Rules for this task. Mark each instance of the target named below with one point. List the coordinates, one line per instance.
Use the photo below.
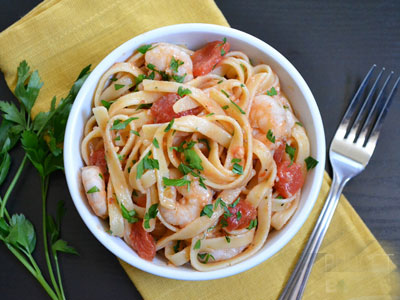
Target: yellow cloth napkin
(59, 38)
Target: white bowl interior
(194, 36)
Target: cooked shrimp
(161, 56)
(189, 206)
(268, 114)
(95, 189)
(223, 254)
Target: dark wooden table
(332, 44)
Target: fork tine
(341, 131)
(371, 142)
(368, 121)
(357, 122)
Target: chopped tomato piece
(98, 158)
(142, 242)
(162, 110)
(279, 152)
(206, 58)
(290, 178)
(241, 220)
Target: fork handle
(294, 288)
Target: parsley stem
(44, 186)
(55, 257)
(5, 211)
(12, 185)
(38, 275)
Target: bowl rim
(176, 273)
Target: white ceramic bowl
(194, 36)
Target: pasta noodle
(199, 153)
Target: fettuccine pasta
(196, 155)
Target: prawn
(171, 59)
(189, 206)
(267, 114)
(95, 189)
(224, 254)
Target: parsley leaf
(118, 86)
(176, 182)
(237, 169)
(270, 136)
(253, 224)
(205, 141)
(143, 49)
(144, 106)
(207, 211)
(290, 151)
(146, 164)
(238, 107)
(197, 245)
(182, 91)
(130, 216)
(177, 246)
(193, 159)
(235, 203)
(169, 126)
(311, 163)
(228, 239)
(238, 215)
(175, 64)
(12, 114)
(93, 189)
(107, 104)
(225, 93)
(272, 92)
(119, 125)
(298, 123)
(150, 214)
(178, 78)
(225, 107)
(155, 143)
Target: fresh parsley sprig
(42, 141)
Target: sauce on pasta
(196, 155)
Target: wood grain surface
(332, 44)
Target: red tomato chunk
(206, 58)
(248, 213)
(142, 242)
(290, 179)
(163, 112)
(98, 158)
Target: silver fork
(350, 152)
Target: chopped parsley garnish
(143, 49)
(130, 216)
(144, 106)
(211, 228)
(101, 176)
(185, 169)
(176, 182)
(235, 203)
(175, 64)
(193, 159)
(225, 107)
(223, 41)
(146, 164)
(311, 163)
(119, 125)
(290, 151)
(272, 92)
(164, 75)
(135, 132)
(205, 257)
(298, 123)
(223, 52)
(237, 169)
(140, 78)
(207, 211)
(155, 143)
(242, 85)
(121, 157)
(286, 107)
(94, 189)
(224, 223)
(221, 203)
(270, 136)
(225, 93)
(238, 215)
(228, 239)
(117, 138)
(253, 224)
(210, 114)
(279, 197)
(243, 68)
(197, 245)
(178, 78)
(238, 107)
(201, 182)
(177, 246)
(113, 79)
(169, 126)
(182, 91)
(236, 160)
(150, 214)
(107, 104)
(118, 86)
(221, 81)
